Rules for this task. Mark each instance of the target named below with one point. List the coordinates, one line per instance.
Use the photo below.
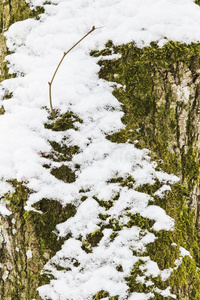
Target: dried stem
(65, 53)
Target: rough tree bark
(18, 272)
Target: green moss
(84, 190)
(35, 231)
(64, 122)
(106, 204)
(91, 240)
(62, 152)
(23, 278)
(197, 2)
(83, 198)
(162, 251)
(103, 216)
(149, 189)
(151, 116)
(100, 295)
(113, 236)
(10, 12)
(7, 96)
(86, 246)
(138, 220)
(132, 283)
(190, 167)
(63, 173)
(95, 237)
(119, 268)
(186, 280)
(143, 75)
(18, 11)
(45, 279)
(52, 214)
(103, 294)
(17, 200)
(129, 181)
(114, 224)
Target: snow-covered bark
(83, 200)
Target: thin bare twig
(64, 54)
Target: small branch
(64, 54)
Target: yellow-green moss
(64, 122)
(143, 76)
(138, 220)
(91, 240)
(104, 294)
(52, 214)
(100, 295)
(132, 283)
(12, 11)
(63, 173)
(2, 110)
(17, 200)
(35, 231)
(186, 280)
(129, 181)
(107, 204)
(62, 152)
(95, 237)
(151, 116)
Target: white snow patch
(29, 254)
(184, 252)
(14, 231)
(163, 221)
(161, 192)
(4, 211)
(141, 296)
(165, 293)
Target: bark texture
(19, 273)
(12, 11)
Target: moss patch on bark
(12, 11)
(159, 91)
(29, 231)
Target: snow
(163, 221)
(29, 254)
(165, 293)
(4, 211)
(184, 252)
(79, 225)
(162, 191)
(37, 46)
(141, 296)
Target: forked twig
(65, 53)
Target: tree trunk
(160, 94)
(18, 240)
